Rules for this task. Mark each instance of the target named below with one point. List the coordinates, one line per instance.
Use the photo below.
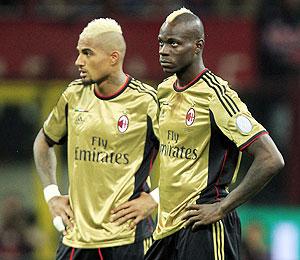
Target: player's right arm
(45, 161)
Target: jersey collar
(180, 89)
(117, 93)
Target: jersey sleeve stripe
(219, 96)
(223, 93)
(234, 104)
(143, 86)
(143, 90)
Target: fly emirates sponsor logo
(98, 153)
(171, 149)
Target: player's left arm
(266, 164)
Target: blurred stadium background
(255, 44)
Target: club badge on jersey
(123, 123)
(190, 117)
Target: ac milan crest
(190, 117)
(123, 123)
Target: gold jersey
(110, 141)
(203, 127)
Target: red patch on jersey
(190, 117)
(123, 123)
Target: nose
(163, 50)
(79, 61)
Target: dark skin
(267, 161)
(181, 53)
(181, 44)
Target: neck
(186, 76)
(111, 84)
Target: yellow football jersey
(111, 141)
(203, 127)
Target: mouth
(165, 63)
(82, 73)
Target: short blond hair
(176, 13)
(99, 26)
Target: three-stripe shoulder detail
(220, 90)
(142, 88)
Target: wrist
(155, 195)
(51, 191)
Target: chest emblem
(123, 123)
(190, 117)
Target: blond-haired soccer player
(109, 120)
(203, 128)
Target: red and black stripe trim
(252, 139)
(178, 88)
(117, 93)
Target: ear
(199, 45)
(115, 57)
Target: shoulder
(166, 86)
(167, 82)
(217, 85)
(76, 87)
(143, 89)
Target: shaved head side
(112, 41)
(190, 21)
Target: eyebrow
(84, 49)
(169, 39)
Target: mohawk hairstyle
(176, 13)
(99, 26)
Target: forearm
(45, 160)
(256, 178)
(267, 163)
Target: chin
(87, 81)
(169, 70)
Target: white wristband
(155, 195)
(51, 191)
(58, 223)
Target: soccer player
(203, 128)
(109, 120)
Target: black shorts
(218, 241)
(125, 252)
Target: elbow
(40, 142)
(37, 141)
(281, 163)
(276, 163)
(35, 144)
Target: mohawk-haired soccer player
(109, 120)
(203, 128)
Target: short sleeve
(234, 119)
(55, 127)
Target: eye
(160, 42)
(174, 44)
(87, 53)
